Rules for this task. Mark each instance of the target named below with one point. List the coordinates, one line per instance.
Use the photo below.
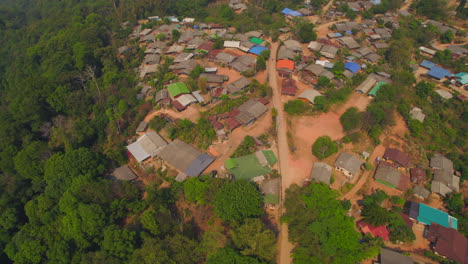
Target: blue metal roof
(257, 49)
(427, 64)
(352, 67)
(290, 12)
(438, 72)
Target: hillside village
(240, 83)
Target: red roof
(288, 87)
(284, 73)
(223, 115)
(206, 46)
(448, 242)
(178, 106)
(380, 231)
(234, 113)
(403, 183)
(418, 175)
(232, 123)
(217, 125)
(262, 100)
(397, 156)
(213, 53)
(407, 220)
(218, 92)
(285, 64)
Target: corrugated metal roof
(428, 215)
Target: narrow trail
(284, 246)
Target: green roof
(463, 77)
(177, 88)
(214, 36)
(247, 167)
(230, 163)
(376, 88)
(270, 157)
(428, 215)
(256, 40)
(271, 198)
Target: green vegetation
(238, 200)
(306, 32)
(351, 119)
(157, 123)
(252, 238)
(374, 214)
(455, 203)
(296, 107)
(434, 9)
(201, 133)
(319, 225)
(227, 105)
(324, 147)
(247, 146)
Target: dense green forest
(67, 106)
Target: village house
(444, 182)
(348, 164)
(380, 231)
(189, 161)
(250, 111)
(421, 192)
(238, 85)
(388, 175)
(417, 114)
(147, 146)
(388, 256)
(418, 175)
(397, 156)
(309, 95)
(321, 172)
(427, 215)
(448, 242)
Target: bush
(295, 107)
(246, 147)
(324, 147)
(351, 119)
(157, 123)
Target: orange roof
(286, 64)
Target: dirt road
(285, 247)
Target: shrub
(324, 147)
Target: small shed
(124, 173)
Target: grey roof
(321, 172)
(284, 53)
(309, 94)
(238, 85)
(421, 192)
(391, 257)
(388, 174)
(214, 78)
(148, 145)
(175, 49)
(447, 178)
(444, 94)
(347, 26)
(293, 45)
(440, 188)
(186, 158)
(152, 59)
(366, 85)
(255, 34)
(364, 51)
(416, 113)
(348, 162)
(441, 162)
(250, 111)
(160, 95)
(186, 36)
(457, 49)
(271, 186)
(194, 43)
(349, 42)
(183, 57)
(142, 126)
(316, 69)
(187, 65)
(225, 57)
(329, 51)
(124, 173)
(315, 46)
(373, 57)
(243, 63)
